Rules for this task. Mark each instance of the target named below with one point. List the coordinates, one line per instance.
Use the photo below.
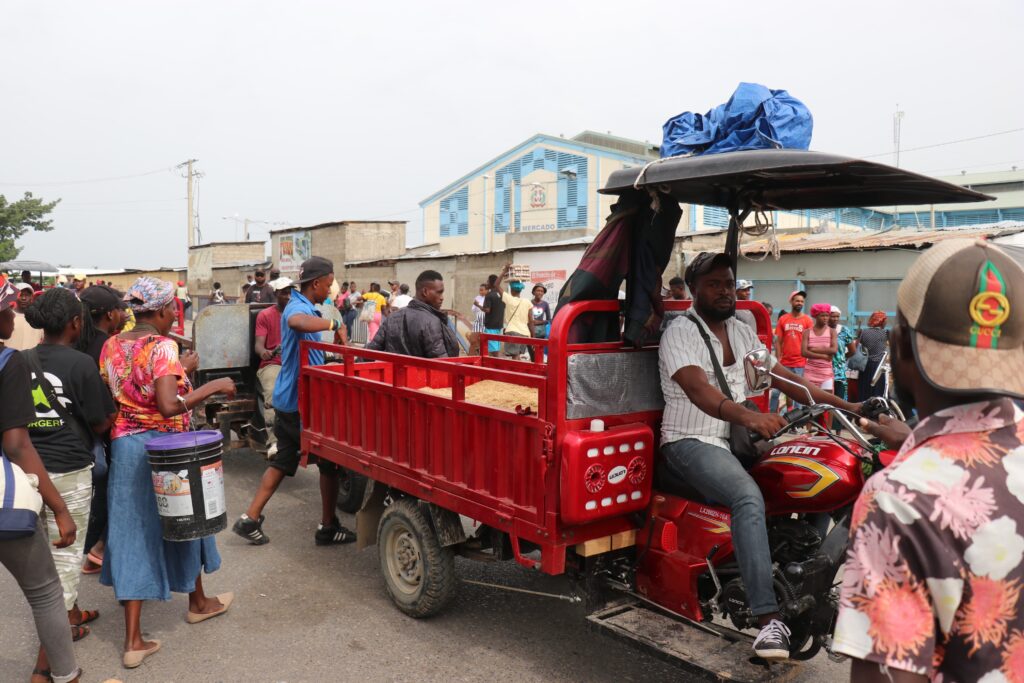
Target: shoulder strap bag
(741, 442)
(20, 501)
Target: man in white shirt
(402, 299)
(697, 421)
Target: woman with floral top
(150, 385)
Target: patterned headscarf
(8, 294)
(877, 319)
(149, 294)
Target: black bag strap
(32, 357)
(722, 383)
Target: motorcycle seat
(665, 480)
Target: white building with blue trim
(546, 184)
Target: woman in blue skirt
(149, 382)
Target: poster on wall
(294, 248)
(553, 281)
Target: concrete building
(224, 262)
(542, 190)
(341, 241)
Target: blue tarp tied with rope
(753, 118)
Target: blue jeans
(773, 402)
(718, 475)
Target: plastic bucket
(188, 480)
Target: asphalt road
(307, 613)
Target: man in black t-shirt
(494, 314)
(261, 292)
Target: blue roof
(566, 143)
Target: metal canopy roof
(788, 179)
(34, 266)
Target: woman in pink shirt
(819, 347)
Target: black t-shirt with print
(495, 320)
(16, 391)
(76, 381)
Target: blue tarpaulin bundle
(753, 118)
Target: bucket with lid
(188, 480)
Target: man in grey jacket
(421, 328)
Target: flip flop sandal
(95, 559)
(91, 568)
(78, 632)
(89, 615)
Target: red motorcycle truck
(569, 486)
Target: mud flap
(713, 652)
(369, 514)
(447, 526)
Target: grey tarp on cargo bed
(613, 384)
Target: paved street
(305, 613)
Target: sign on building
(294, 247)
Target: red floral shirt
(933, 578)
(131, 368)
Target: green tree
(17, 218)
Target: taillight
(665, 536)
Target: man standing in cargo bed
(421, 328)
(300, 320)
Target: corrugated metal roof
(874, 240)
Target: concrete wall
(344, 242)
(204, 259)
(123, 281)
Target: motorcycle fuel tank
(809, 474)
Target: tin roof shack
(123, 279)
(223, 262)
(341, 241)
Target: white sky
(305, 112)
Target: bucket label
(173, 493)
(213, 490)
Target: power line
(43, 183)
(945, 144)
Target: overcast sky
(306, 112)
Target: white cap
(744, 284)
(281, 283)
(24, 286)
(835, 309)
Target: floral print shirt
(131, 367)
(844, 338)
(933, 577)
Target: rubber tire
(351, 488)
(437, 582)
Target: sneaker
(335, 534)
(251, 531)
(272, 451)
(773, 641)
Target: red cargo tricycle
(571, 486)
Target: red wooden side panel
(484, 462)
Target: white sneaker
(773, 641)
(272, 451)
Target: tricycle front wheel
(419, 574)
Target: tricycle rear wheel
(351, 487)
(419, 574)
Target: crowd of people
(87, 393)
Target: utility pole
(190, 173)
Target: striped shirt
(682, 346)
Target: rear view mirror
(757, 368)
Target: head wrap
(818, 309)
(877, 319)
(149, 294)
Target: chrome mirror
(757, 368)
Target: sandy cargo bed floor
(494, 394)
